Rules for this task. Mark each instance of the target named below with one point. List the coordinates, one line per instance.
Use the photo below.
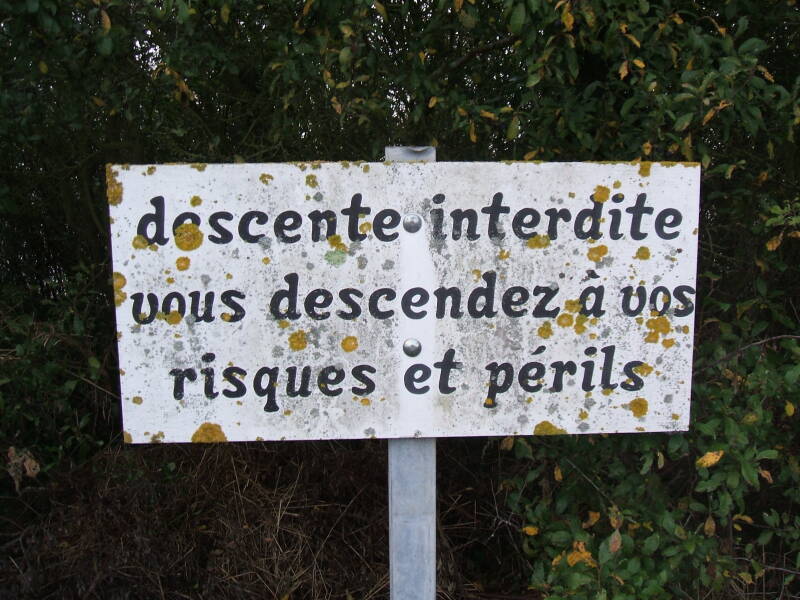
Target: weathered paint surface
(655, 345)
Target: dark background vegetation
(89, 82)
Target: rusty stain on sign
(470, 298)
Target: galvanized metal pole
(412, 486)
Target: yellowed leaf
(623, 69)
(615, 542)
(530, 530)
(461, 111)
(638, 63)
(647, 148)
(775, 242)
(507, 443)
(580, 554)
(307, 7)
(709, 115)
(43, 68)
(532, 154)
(767, 75)
(745, 518)
(746, 577)
(793, 234)
(567, 18)
(767, 476)
(593, 518)
(789, 408)
(676, 18)
(709, 459)
(381, 9)
(225, 13)
(488, 115)
(457, 4)
(709, 527)
(473, 137)
(557, 475)
(432, 102)
(105, 20)
(337, 106)
(633, 40)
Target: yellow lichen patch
(283, 323)
(656, 325)
(266, 260)
(572, 306)
(350, 343)
(580, 324)
(504, 254)
(546, 330)
(539, 241)
(173, 318)
(287, 412)
(226, 317)
(607, 391)
(297, 340)
(150, 170)
(365, 402)
(182, 263)
(638, 406)
(113, 187)
(644, 168)
(617, 184)
(668, 342)
(126, 437)
(675, 416)
(643, 253)
(335, 242)
(583, 415)
(228, 276)
(365, 228)
(547, 428)
(311, 181)
(208, 433)
(137, 400)
(564, 320)
(198, 166)
(489, 403)
(139, 242)
(643, 369)
(530, 530)
(601, 193)
(157, 438)
(365, 168)
(196, 201)
(265, 178)
(476, 273)
(170, 280)
(119, 282)
(596, 253)
(188, 237)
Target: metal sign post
(412, 483)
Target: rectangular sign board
(352, 300)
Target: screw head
(412, 223)
(412, 347)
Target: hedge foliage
(88, 82)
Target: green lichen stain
(335, 257)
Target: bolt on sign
(351, 300)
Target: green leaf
(517, 19)
(683, 121)
(513, 129)
(105, 45)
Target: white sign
(289, 301)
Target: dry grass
(290, 520)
